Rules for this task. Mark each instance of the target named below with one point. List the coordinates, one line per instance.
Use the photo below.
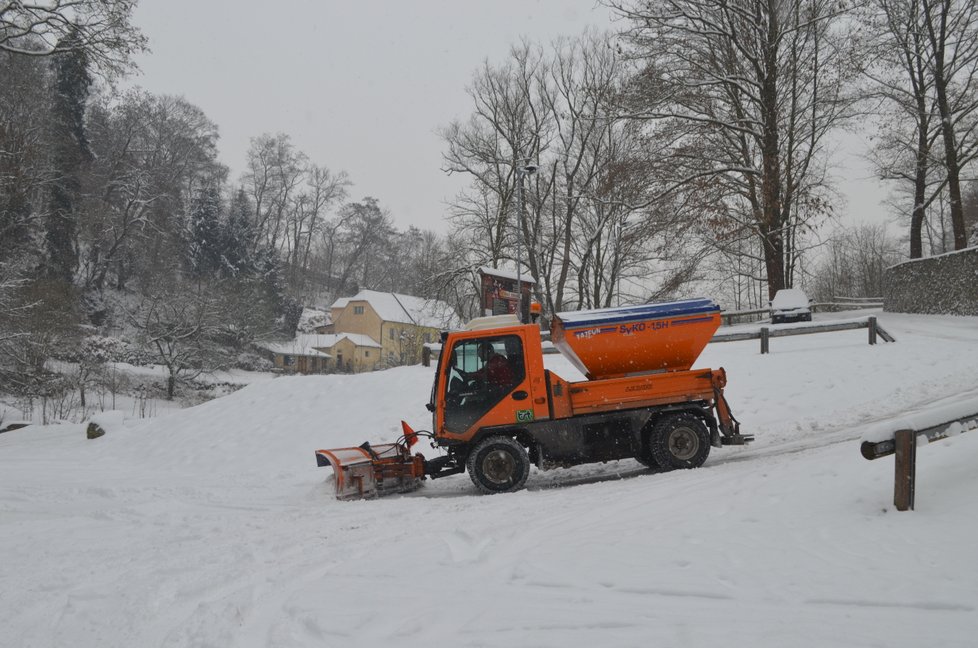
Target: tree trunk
(938, 41)
(919, 196)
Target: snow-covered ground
(212, 526)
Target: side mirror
(430, 407)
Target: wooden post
(765, 346)
(872, 330)
(426, 356)
(906, 468)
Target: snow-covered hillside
(212, 526)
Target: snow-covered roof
(312, 318)
(491, 321)
(357, 338)
(310, 344)
(405, 309)
(508, 274)
(301, 346)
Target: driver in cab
(495, 372)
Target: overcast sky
(363, 86)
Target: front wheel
(679, 441)
(498, 464)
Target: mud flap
(372, 471)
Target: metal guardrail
(903, 444)
(765, 334)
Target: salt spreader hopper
(496, 409)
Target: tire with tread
(679, 441)
(646, 459)
(498, 464)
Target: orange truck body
(637, 361)
(550, 397)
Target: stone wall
(945, 284)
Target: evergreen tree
(236, 235)
(205, 233)
(70, 151)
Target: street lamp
(527, 169)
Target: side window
(480, 374)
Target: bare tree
(898, 64)
(853, 263)
(922, 59)
(509, 126)
(581, 234)
(274, 176)
(152, 154)
(307, 217)
(182, 324)
(952, 34)
(25, 167)
(746, 92)
(100, 29)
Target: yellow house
(402, 324)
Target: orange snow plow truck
(496, 409)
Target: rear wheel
(498, 464)
(679, 441)
(646, 459)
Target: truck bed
(610, 394)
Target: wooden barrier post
(906, 468)
(764, 340)
(425, 356)
(872, 330)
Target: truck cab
(488, 379)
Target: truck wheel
(679, 441)
(646, 459)
(498, 464)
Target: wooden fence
(765, 334)
(841, 304)
(903, 444)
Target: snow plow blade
(368, 471)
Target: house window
(390, 331)
(358, 310)
(366, 354)
(288, 361)
(427, 338)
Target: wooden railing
(765, 334)
(841, 304)
(903, 444)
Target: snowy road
(213, 527)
